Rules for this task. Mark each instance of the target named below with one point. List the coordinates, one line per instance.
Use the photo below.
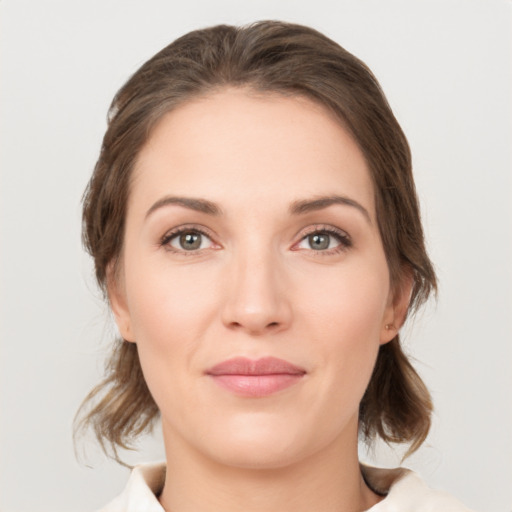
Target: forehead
(237, 143)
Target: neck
(329, 480)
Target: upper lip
(263, 366)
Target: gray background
(446, 68)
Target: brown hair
(276, 57)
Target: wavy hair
(274, 57)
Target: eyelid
(341, 235)
(184, 228)
(345, 241)
(328, 228)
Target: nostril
(254, 328)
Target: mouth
(255, 378)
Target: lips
(255, 378)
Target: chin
(257, 442)
(257, 454)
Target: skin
(257, 286)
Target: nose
(257, 301)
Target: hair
(267, 57)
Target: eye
(319, 241)
(325, 240)
(189, 240)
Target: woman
(254, 225)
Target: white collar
(404, 490)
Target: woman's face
(253, 278)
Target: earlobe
(117, 299)
(396, 311)
(388, 332)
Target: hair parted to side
(274, 57)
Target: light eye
(324, 240)
(319, 241)
(190, 240)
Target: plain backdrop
(446, 69)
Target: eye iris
(319, 241)
(190, 241)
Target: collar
(403, 489)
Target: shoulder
(404, 491)
(140, 494)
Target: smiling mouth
(255, 378)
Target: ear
(117, 298)
(396, 309)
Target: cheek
(345, 315)
(166, 303)
(165, 323)
(349, 303)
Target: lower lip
(257, 385)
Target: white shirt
(404, 490)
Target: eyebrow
(301, 207)
(199, 205)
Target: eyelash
(345, 242)
(342, 237)
(176, 232)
